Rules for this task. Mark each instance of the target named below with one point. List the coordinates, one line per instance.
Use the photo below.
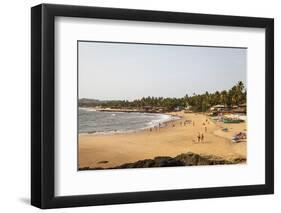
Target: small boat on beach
(239, 137)
(234, 118)
(233, 121)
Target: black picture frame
(43, 110)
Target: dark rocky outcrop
(156, 162)
(185, 159)
(192, 159)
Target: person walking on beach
(159, 126)
(198, 137)
(202, 137)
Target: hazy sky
(115, 71)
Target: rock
(185, 159)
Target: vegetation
(198, 103)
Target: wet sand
(116, 149)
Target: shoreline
(111, 150)
(163, 123)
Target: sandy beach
(115, 149)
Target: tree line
(197, 102)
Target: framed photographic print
(139, 106)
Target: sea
(97, 122)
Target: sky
(128, 71)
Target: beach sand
(116, 149)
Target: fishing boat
(228, 120)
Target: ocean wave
(88, 109)
(163, 119)
(95, 122)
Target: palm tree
(223, 97)
(239, 92)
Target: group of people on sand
(156, 128)
(186, 122)
(200, 136)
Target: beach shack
(147, 108)
(217, 108)
(241, 108)
(160, 109)
(187, 109)
(178, 108)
